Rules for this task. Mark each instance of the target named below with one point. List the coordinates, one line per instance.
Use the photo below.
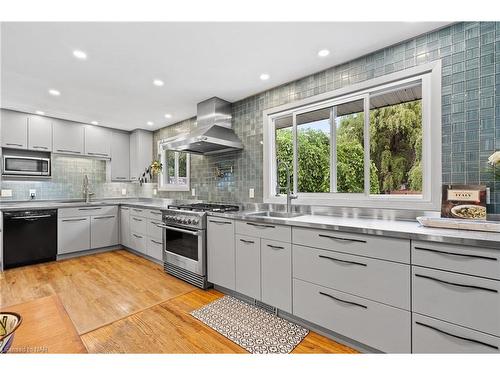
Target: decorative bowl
(469, 211)
(9, 322)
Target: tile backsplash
(470, 55)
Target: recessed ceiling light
(80, 54)
(265, 76)
(94, 123)
(54, 92)
(323, 53)
(150, 123)
(168, 115)
(158, 82)
(41, 113)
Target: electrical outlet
(251, 193)
(6, 193)
(155, 191)
(193, 192)
(32, 193)
(124, 191)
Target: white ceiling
(195, 60)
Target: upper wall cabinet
(14, 129)
(68, 137)
(97, 141)
(39, 133)
(120, 156)
(141, 153)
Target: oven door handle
(175, 229)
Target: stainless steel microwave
(16, 165)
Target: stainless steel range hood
(213, 134)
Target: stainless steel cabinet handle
(136, 235)
(104, 217)
(456, 254)
(97, 153)
(119, 178)
(155, 213)
(220, 222)
(456, 284)
(246, 241)
(157, 242)
(275, 247)
(89, 209)
(342, 261)
(343, 301)
(42, 147)
(82, 219)
(14, 144)
(341, 238)
(70, 151)
(456, 336)
(136, 219)
(261, 225)
(137, 210)
(125, 208)
(30, 217)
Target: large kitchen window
(373, 146)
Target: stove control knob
(195, 222)
(189, 221)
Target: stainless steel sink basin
(276, 214)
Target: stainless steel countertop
(406, 229)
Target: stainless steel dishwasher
(29, 237)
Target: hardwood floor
(122, 303)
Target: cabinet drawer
(139, 224)
(397, 250)
(248, 266)
(435, 336)
(154, 231)
(464, 259)
(276, 274)
(87, 211)
(469, 301)
(269, 231)
(375, 279)
(153, 214)
(379, 326)
(155, 249)
(138, 242)
(138, 211)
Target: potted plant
(494, 160)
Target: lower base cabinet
(374, 324)
(435, 336)
(73, 234)
(276, 274)
(155, 249)
(138, 243)
(103, 231)
(248, 266)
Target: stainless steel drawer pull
(343, 261)
(456, 254)
(155, 213)
(97, 153)
(89, 209)
(42, 147)
(459, 285)
(456, 336)
(137, 210)
(157, 242)
(70, 151)
(343, 301)
(104, 217)
(341, 238)
(276, 247)
(136, 219)
(14, 144)
(261, 225)
(82, 219)
(136, 236)
(246, 241)
(29, 217)
(220, 222)
(125, 208)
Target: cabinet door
(248, 266)
(103, 231)
(73, 234)
(138, 243)
(97, 141)
(276, 274)
(220, 252)
(120, 156)
(14, 129)
(40, 133)
(141, 153)
(155, 249)
(68, 137)
(125, 226)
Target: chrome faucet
(86, 189)
(289, 195)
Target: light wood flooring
(122, 303)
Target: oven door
(185, 248)
(26, 166)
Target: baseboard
(88, 252)
(130, 250)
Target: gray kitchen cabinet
(155, 249)
(97, 141)
(141, 152)
(103, 231)
(120, 156)
(14, 129)
(73, 234)
(40, 133)
(68, 137)
(221, 252)
(247, 269)
(276, 274)
(125, 226)
(139, 243)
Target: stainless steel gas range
(185, 240)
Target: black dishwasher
(29, 237)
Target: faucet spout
(86, 189)
(289, 195)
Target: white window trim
(431, 143)
(173, 187)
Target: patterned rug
(251, 327)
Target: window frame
(430, 199)
(162, 186)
